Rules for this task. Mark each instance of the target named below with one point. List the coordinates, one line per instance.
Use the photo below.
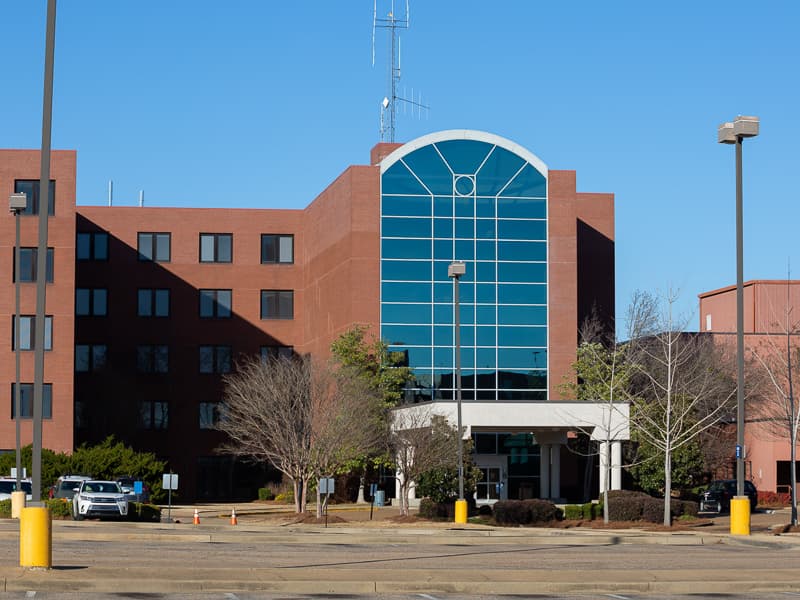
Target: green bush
(625, 505)
(573, 512)
(141, 512)
(59, 508)
(444, 511)
(589, 511)
(286, 497)
(266, 494)
(525, 512)
(5, 509)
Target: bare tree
(420, 441)
(682, 387)
(775, 411)
(298, 415)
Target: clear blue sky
(262, 104)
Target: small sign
(138, 488)
(326, 485)
(738, 451)
(170, 481)
(373, 487)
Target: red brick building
(152, 305)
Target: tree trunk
(607, 480)
(319, 504)
(667, 486)
(793, 472)
(296, 488)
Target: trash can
(380, 498)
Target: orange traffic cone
(196, 519)
(234, 520)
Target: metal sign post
(169, 482)
(325, 486)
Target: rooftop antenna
(141, 197)
(110, 192)
(389, 103)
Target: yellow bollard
(461, 511)
(17, 503)
(740, 515)
(35, 538)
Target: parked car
(65, 486)
(99, 499)
(717, 498)
(128, 485)
(9, 484)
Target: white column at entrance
(555, 471)
(616, 465)
(544, 471)
(602, 449)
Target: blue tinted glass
(522, 315)
(522, 294)
(465, 206)
(485, 336)
(398, 180)
(443, 228)
(467, 337)
(485, 314)
(443, 250)
(467, 364)
(443, 336)
(497, 171)
(465, 250)
(406, 206)
(465, 228)
(404, 270)
(467, 314)
(485, 358)
(443, 314)
(417, 357)
(400, 227)
(443, 292)
(405, 313)
(524, 380)
(443, 206)
(521, 230)
(464, 156)
(485, 250)
(444, 377)
(406, 292)
(522, 251)
(406, 249)
(517, 208)
(407, 335)
(540, 359)
(428, 166)
(423, 376)
(443, 357)
(484, 228)
(533, 272)
(484, 207)
(485, 271)
(486, 379)
(528, 183)
(519, 358)
(486, 293)
(522, 336)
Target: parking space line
(618, 597)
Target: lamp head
(18, 202)
(745, 126)
(456, 269)
(725, 134)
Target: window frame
(277, 294)
(153, 296)
(276, 248)
(154, 237)
(34, 196)
(92, 310)
(152, 357)
(47, 401)
(213, 296)
(151, 423)
(34, 262)
(48, 333)
(92, 364)
(216, 363)
(204, 422)
(276, 353)
(215, 237)
(93, 237)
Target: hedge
(444, 511)
(525, 512)
(625, 505)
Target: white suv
(99, 499)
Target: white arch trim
(463, 134)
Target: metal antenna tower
(389, 103)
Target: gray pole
(17, 391)
(458, 393)
(41, 258)
(739, 325)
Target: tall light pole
(17, 204)
(734, 133)
(454, 271)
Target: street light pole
(17, 204)
(455, 270)
(734, 133)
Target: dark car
(128, 485)
(717, 498)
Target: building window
(215, 303)
(30, 187)
(153, 414)
(277, 304)
(26, 400)
(276, 248)
(154, 246)
(216, 247)
(90, 357)
(209, 415)
(276, 352)
(28, 265)
(153, 303)
(215, 359)
(152, 359)
(92, 246)
(27, 332)
(91, 302)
